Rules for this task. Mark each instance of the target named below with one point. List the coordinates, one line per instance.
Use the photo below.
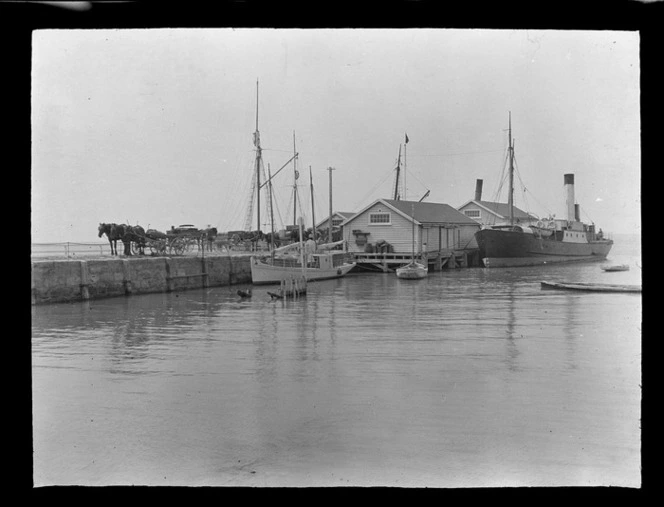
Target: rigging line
(501, 182)
(457, 154)
(415, 176)
(525, 190)
(364, 198)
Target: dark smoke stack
(478, 190)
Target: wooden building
(438, 227)
(488, 213)
(338, 218)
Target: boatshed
(388, 224)
(492, 213)
(337, 219)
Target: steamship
(532, 242)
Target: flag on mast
(406, 138)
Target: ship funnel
(569, 193)
(577, 212)
(478, 190)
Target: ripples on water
(469, 378)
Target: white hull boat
(412, 271)
(324, 266)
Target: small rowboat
(591, 287)
(412, 271)
(616, 267)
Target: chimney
(569, 200)
(577, 212)
(478, 190)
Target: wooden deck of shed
(437, 261)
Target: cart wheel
(179, 247)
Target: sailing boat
(536, 242)
(413, 270)
(300, 260)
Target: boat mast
(295, 176)
(412, 213)
(511, 158)
(405, 167)
(269, 179)
(396, 181)
(313, 214)
(329, 236)
(257, 143)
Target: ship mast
(296, 175)
(269, 179)
(511, 159)
(313, 214)
(257, 143)
(396, 180)
(329, 238)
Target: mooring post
(85, 293)
(126, 279)
(204, 270)
(169, 279)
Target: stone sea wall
(57, 281)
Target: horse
(208, 236)
(134, 233)
(111, 234)
(119, 231)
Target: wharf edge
(59, 281)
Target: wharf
(437, 261)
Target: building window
(379, 219)
(337, 221)
(472, 213)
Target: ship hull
(505, 248)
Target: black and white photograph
(336, 257)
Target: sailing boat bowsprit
(534, 242)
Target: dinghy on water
(617, 267)
(591, 287)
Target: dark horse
(112, 235)
(207, 238)
(134, 234)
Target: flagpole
(405, 169)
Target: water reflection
(512, 349)
(445, 380)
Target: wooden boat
(616, 267)
(313, 262)
(413, 270)
(591, 287)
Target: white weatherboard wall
(398, 232)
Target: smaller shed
(437, 227)
(492, 213)
(338, 218)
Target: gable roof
(343, 214)
(500, 209)
(422, 212)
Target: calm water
(469, 378)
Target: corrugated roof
(431, 212)
(503, 209)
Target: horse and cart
(176, 241)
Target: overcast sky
(154, 127)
